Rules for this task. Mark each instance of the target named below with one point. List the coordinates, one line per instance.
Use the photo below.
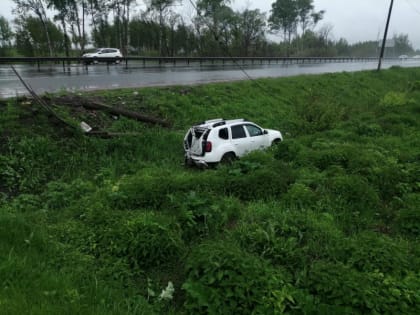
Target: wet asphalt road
(53, 78)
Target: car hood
(274, 134)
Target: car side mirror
(265, 132)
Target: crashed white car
(220, 140)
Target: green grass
(325, 223)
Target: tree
(284, 18)
(6, 36)
(307, 15)
(252, 27)
(32, 41)
(215, 23)
(402, 45)
(63, 7)
(161, 7)
(99, 12)
(37, 7)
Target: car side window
(254, 131)
(223, 134)
(238, 132)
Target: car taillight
(208, 146)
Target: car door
(107, 53)
(257, 139)
(240, 140)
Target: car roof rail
(220, 123)
(214, 120)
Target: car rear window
(223, 134)
(238, 132)
(198, 132)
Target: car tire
(228, 158)
(275, 142)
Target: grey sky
(355, 20)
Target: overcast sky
(354, 20)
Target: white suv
(104, 53)
(220, 140)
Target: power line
(413, 7)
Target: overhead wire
(40, 101)
(413, 7)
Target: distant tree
(215, 22)
(252, 27)
(364, 49)
(343, 48)
(284, 18)
(63, 9)
(308, 17)
(161, 7)
(6, 36)
(102, 34)
(32, 41)
(402, 45)
(36, 7)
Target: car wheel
(275, 142)
(228, 158)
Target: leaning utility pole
(385, 35)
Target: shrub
(339, 289)
(288, 238)
(262, 182)
(395, 99)
(222, 279)
(319, 116)
(408, 218)
(287, 150)
(59, 195)
(300, 196)
(146, 240)
(202, 214)
(354, 192)
(370, 252)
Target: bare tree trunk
(42, 16)
(127, 25)
(47, 34)
(66, 37)
(83, 28)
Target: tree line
(157, 27)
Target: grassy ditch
(327, 222)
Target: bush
(395, 99)
(339, 289)
(261, 181)
(408, 218)
(370, 252)
(222, 279)
(300, 196)
(202, 214)
(353, 192)
(146, 240)
(288, 238)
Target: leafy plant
(223, 279)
